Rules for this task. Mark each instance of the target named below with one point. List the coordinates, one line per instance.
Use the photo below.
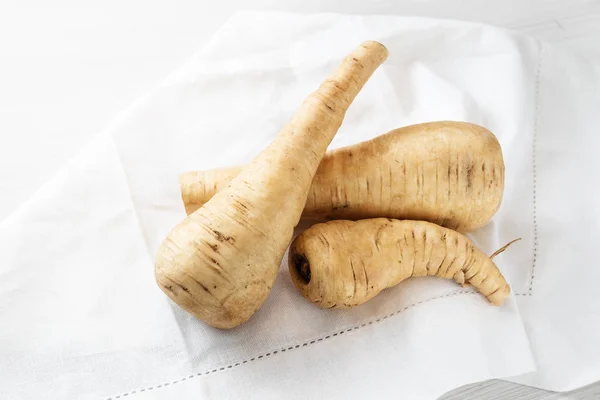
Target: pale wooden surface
(511, 391)
(68, 68)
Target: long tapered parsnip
(450, 173)
(346, 263)
(220, 263)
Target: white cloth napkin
(81, 316)
(561, 306)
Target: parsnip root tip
(501, 249)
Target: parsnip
(220, 263)
(345, 263)
(450, 173)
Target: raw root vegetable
(220, 263)
(448, 173)
(343, 264)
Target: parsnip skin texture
(449, 173)
(220, 263)
(343, 263)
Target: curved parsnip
(345, 263)
(449, 173)
(220, 263)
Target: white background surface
(68, 68)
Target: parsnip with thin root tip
(344, 263)
(450, 173)
(220, 263)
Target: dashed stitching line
(528, 293)
(534, 167)
(534, 250)
(296, 346)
